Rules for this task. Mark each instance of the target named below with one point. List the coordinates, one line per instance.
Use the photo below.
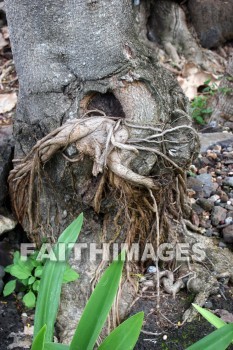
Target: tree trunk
(223, 104)
(121, 165)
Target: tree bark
(72, 57)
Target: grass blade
(51, 283)
(38, 343)
(210, 317)
(55, 346)
(217, 340)
(125, 335)
(97, 308)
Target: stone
(205, 204)
(196, 185)
(207, 184)
(6, 224)
(228, 181)
(209, 139)
(218, 214)
(228, 234)
(6, 153)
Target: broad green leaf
(29, 299)
(70, 275)
(31, 280)
(125, 335)
(51, 282)
(55, 346)
(20, 272)
(16, 257)
(97, 308)
(8, 268)
(217, 340)
(36, 285)
(38, 342)
(38, 271)
(210, 317)
(9, 288)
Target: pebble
(228, 181)
(208, 305)
(228, 234)
(218, 214)
(222, 245)
(151, 269)
(213, 198)
(206, 204)
(6, 224)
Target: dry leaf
(7, 102)
(5, 32)
(3, 42)
(192, 77)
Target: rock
(196, 185)
(228, 181)
(208, 305)
(197, 208)
(207, 184)
(208, 233)
(214, 198)
(6, 224)
(228, 234)
(218, 214)
(222, 245)
(6, 150)
(207, 140)
(195, 219)
(205, 204)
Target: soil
(167, 324)
(10, 322)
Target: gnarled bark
(76, 57)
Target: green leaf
(20, 272)
(55, 346)
(217, 340)
(51, 282)
(210, 317)
(9, 288)
(16, 257)
(36, 285)
(8, 268)
(31, 280)
(70, 275)
(38, 343)
(97, 308)
(29, 299)
(207, 82)
(38, 271)
(124, 336)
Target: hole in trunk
(107, 103)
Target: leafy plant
(217, 340)
(95, 313)
(199, 109)
(28, 275)
(199, 105)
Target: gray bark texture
(72, 56)
(223, 102)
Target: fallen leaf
(225, 315)
(5, 32)
(3, 42)
(192, 77)
(7, 102)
